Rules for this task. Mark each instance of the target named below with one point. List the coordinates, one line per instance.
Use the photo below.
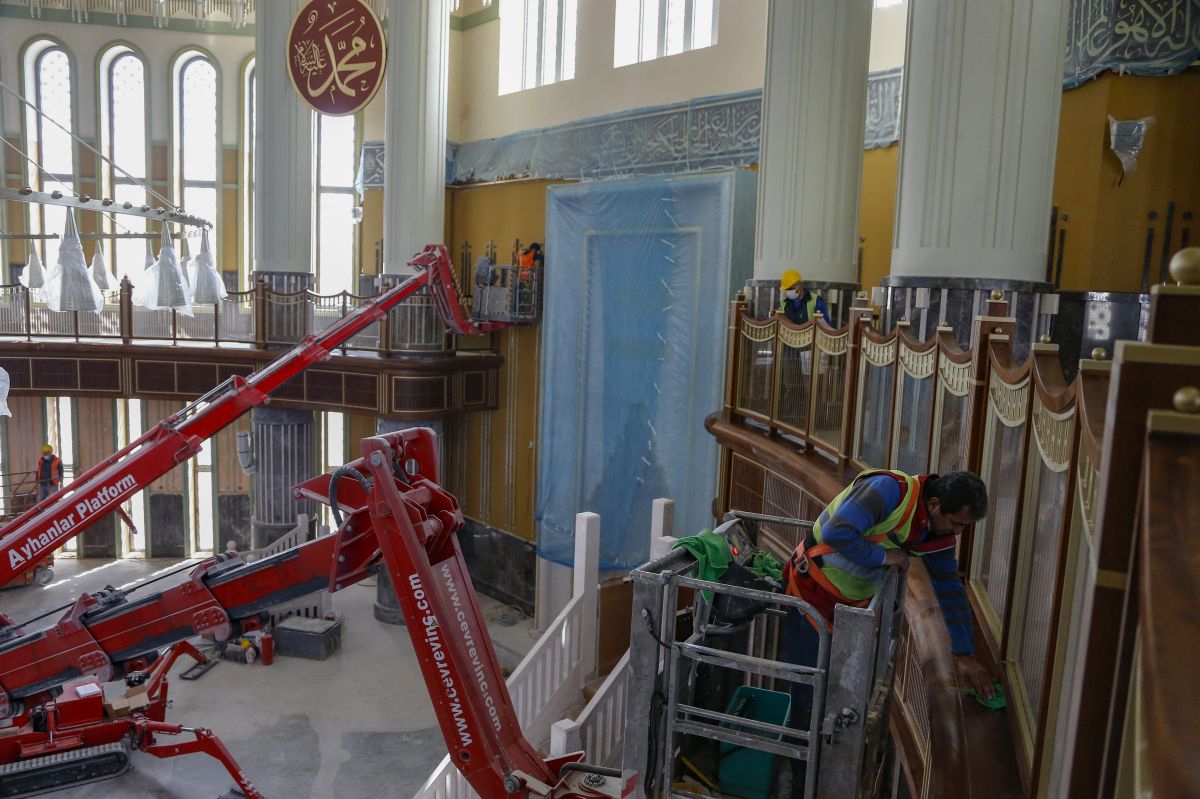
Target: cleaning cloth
(765, 565)
(997, 702)
(712, 555)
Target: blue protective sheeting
(638, 282)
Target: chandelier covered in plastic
(207, 285)
(162, 285)
(69, 286)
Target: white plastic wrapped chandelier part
(207, 284)
(33, 276)
(185, 261)
(5, 383)
(69, 286)
(163, 286)
(100, 270)
(150, 259)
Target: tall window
(48, 85)
(650, 29)
(335, 221)
(537, 43)
(249, 139)
(123, 142)
(196, 136)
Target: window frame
(663, 33)
(248, 152)
(106, 63)
(321, 189)
(33, 53)
(522, 70)
(179, 181)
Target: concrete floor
(359, 724)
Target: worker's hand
(972, 674)
(896, 557)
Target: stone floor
(357, 725)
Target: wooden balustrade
(1048, 588)
(259, 318)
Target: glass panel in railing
(914, 408)
(45, 322)
(416, 325)
(756, 366)
(151, 324)
(829, 387)
(200, 326)
(1036, 595)
(877, 369)
(12, 311)
(950, 418)
(288, 317)
(1003, 455)
(107, 323)
(795, 378)
(235, 318)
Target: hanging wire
(94, 151)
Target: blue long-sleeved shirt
(871, 501)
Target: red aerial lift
(397, 518)
(61, 725)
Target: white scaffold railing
(550, 679)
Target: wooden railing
(850, 398)
(258, 318)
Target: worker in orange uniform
(531, 261)
(49, 473)
(881, 519)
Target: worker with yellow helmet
(798, 303)
(49, 473)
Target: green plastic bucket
(747, 772)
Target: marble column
(414, 183)
(810, 164)
(283, 453)
(283, 173)
(979, 132)
(387, 606)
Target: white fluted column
(979, 134)
(283, 142)
(414, 199)
(814, 113)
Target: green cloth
(712, 555)
(997, 702)
(765, 565)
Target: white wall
(735, 63)
(887, 36)
(84, 41)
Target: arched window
(196, 142)
(123, 141)
(48, 85)
(249, 134)
(336, 264)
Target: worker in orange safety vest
(49, 473)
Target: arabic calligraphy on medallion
(336, 55)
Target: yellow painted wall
(492, 456)
(1107, 219)
(877, 212)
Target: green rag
(765, 565)
(997, 702)
(712, 555)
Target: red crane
(397, 518)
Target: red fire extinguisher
(267, 643)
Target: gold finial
(1187, 400)
(862, 295)
(997, 294)
(1099, 354)
(1185, 266)
(1045, 339)
(997, 330)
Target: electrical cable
(338, 474)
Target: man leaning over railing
(881, 519)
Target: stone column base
(387, 605)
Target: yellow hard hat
(790, 278)
(47, 448)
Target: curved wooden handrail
(878, 338)
(829, 330)
(948, 345)
(788, 324)
(1001, 360)
(911, 342)
(1052, 386)
(949, 774)
(1092, 393)
(1170, 630)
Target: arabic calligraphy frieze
(336, 55)
(1140, 37)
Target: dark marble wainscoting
(166, 526)
(100, 540)
(233, 521)
(501, 565)
(1090, 319)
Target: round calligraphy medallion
(336, 55)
